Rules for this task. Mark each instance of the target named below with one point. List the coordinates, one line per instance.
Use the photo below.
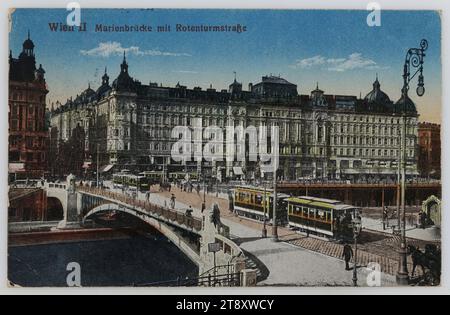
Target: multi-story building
(28, 135)
(320, 135)
(430, 150)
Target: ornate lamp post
(413, 62)
(357, 227)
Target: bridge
(192, 235)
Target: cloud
(106, 49)
(353, 61)
(310, 62)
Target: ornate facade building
(430, 150)
(28, 133)
(321, 136)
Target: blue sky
(335, 48)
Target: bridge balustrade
(172, 215)
(180, 218)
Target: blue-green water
(119, 262)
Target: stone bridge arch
(55, 209)
(57, 191)
(160, 226)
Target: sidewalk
(430, 234)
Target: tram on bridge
(323, 217)
(156, 177)
(257, 203)
(130, 181)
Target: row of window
(349, 140)
(368, 153)
(179, 120)
(31, 125)
(199, 109)
(19, 96)
(29, 110)
(384, 130)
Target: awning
(106, 168)
(238, 171)
(16, 167)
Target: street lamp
(413, 61)
(357, 227)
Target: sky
(337, 49)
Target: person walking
(347, 254)
(172, 201)
(385, 217)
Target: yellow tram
(153, 177)
(248, 201)
(324, 217)
(126, 180)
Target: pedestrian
(172, 201)
(347, 253)
(423, 220)
(385, 217)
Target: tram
(176, 176)
(323, 217)
(153, 177)
(126, 180)
(250, 202)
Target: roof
(320, 202)
(377, 95)
(275, 80)
(261, 190)
(410, 106)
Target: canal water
(136, 260)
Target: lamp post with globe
(413, 66)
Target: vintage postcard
(224, 147)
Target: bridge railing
(169, 214)
(219, 280)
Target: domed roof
(124, 81)
(408, 106)
(40, 69)
(103, 90)
(28, 43)
(377, 95)
(88, 92)
(317, 90)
